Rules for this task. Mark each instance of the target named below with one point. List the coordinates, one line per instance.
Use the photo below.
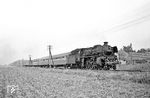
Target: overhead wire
(128, 24)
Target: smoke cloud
(7, 53)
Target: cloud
(28, 27)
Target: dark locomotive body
(96, 57)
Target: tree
(122, 55)
(143, 50)
(128, 48)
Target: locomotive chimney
(105, 43)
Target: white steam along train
(96, 57)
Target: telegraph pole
(50, 55)
(22, 62)
(30, 61)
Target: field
(66, 83)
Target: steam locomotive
(96, 57)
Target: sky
(27, 27)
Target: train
(97, 57)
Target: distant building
(133, 57)
(139, 57)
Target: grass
(135, 67)
(136, 77)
